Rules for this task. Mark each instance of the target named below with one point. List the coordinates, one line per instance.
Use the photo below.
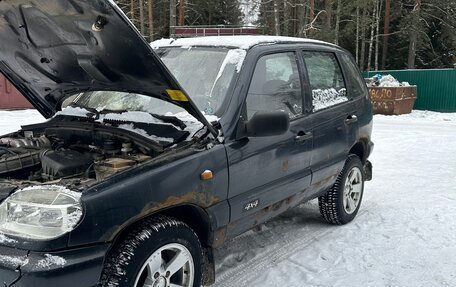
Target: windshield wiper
(171, 119)
(93, 113)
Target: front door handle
(351, 119)
(303, 136)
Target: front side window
(275, 86)
(326, 80)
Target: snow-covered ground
(404, 235)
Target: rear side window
(357, 86)
(275, 86)
(325, 79)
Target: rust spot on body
(219, 237)
(285, 165)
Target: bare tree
(328, 8)
(371, 39)
(357, 32)
(276, 18)
(339, 9)
(172, 16)
(312, 10)
(286, 18)
(363, 37)
(151, 19)
(132, 11)
(386, 32)
(377, 28)
(413, 37)
(142, 23)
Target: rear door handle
(302, 137)
(351, 119)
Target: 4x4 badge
(252, 205)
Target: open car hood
(52, 49)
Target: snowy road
(404, 235)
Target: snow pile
(51, 260)
(328, 97)
(11, 121)
(432, 116)
(386, 81)
(13, 261)
(74, 112)
(4, 239)
(234, 57)
(162, 43)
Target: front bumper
(79, 267)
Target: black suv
(162, 153)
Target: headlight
(40, 212)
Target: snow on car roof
(242, 42)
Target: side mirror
(264, 124)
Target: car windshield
(205, 73)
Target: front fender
(125, 199)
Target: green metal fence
(436, 88)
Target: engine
(56, 154)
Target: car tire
(157, 252)
(341, 203)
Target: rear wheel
(341, 203)
(160, 252)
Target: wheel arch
(192, 215)
(360, 149)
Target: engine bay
(87, 153)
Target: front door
(266, 173)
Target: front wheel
(160, 252)
(341, 203)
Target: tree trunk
(328, 9)
(371, 39)
(363, 38)
(386, 32)
(357, 32)
(151, 20)
(413, 34)
(286, 18)
(172, 16)
(182, 13)
(294, 17)
(276, 18)
(132, 11)
(303, 17)
(339, 8)
(312, 10)
(141, 17)
(377, 28)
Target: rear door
(333, 117)
(266, 173)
